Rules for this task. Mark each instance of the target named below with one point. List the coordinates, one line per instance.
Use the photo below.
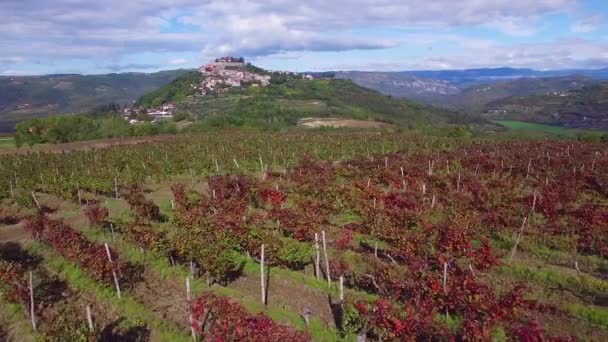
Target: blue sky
(71, 36)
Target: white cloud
(60, 30)
(587, 25)
(177, 61)
(560, 54)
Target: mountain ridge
(25, 97)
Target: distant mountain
(582, 108)
(470, 90)
(475, 98)
(289, 98)
(400, 84)
(469, 77)
(26, 97)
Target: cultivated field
(306, 236)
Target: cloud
(559, 54)
(59, 31)
(177, 61)
(9, 60)
(588, 24)
(318, 25)
(130, 66)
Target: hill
(475, 98)
(26, 97)
(473, 88)
(400, 84)
(583, 108)
(289, 98)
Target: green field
(541, 128)
(7, 142)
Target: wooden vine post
(326, 258)
(341, 289)
(32, 304)
(318, 259)
(116, 187)
(113, 271)
(188, 300)
(35, 200)
(262, 280)
(90, 319)
(521, 230)
(445, 286)
(113, 235)
(445, 277)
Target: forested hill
(288, 99)
(26, 97)
(582, 108)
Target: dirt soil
(341, 123)
(289, 295)
(13, 233)
(86, 145)
(164, 298)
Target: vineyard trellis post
(262, 277)
(326, 258)
(90, 318)
(445, 277)
(32, 304)
(521, 230)
(188, 301)
(112, 231)
(113, 271)
(35, 200)
(318, 258)
(342, 289)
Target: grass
(584, 284)
(587, 263)
(164, 270)
(7, 142)
(522, 126)
(14, 321)
(592, 314)
(126, 306)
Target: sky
(93, 37)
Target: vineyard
(342, 236)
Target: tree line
(68, 128)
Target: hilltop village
(228, 72)
(217, 78)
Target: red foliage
(13, 275)
(385, 321)
(228, 186)
(344, 239)
(96, 214)
(75, 247)
(220, 319)
(143, 208)
(485, 257)
(273, 197)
